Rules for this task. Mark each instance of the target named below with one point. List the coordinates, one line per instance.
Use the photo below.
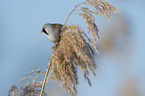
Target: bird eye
(45, 31)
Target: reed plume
(73, 48)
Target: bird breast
(52, 38)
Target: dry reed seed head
(33, 72)
(13, 91)
(71, 51)
(31, 88)
(86, 37)
(98, 8)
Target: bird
(52, 31)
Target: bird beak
(41, 31)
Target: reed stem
(44, 82)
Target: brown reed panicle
(31, 88)
(72, 50)
(14, 91)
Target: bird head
(52, 31)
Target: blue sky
(23, 48)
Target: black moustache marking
(45, 31)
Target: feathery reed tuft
(73, 48)
(71, 51)
(31, 88)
